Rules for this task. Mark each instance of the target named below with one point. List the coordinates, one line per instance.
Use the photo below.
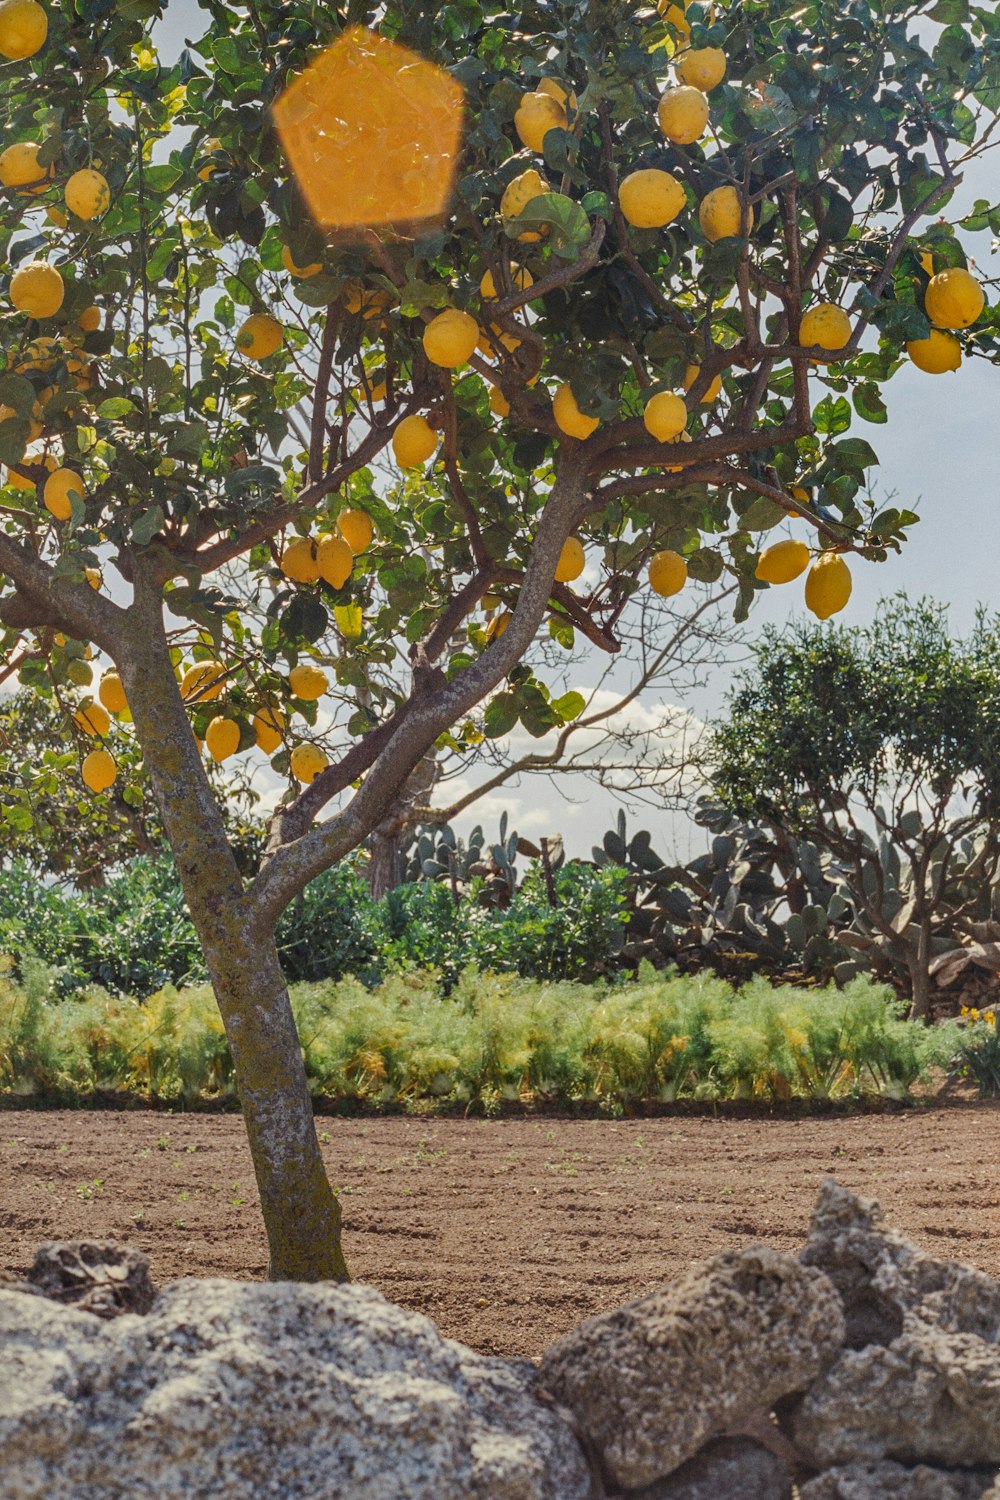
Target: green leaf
(570, 706)
(567, 221)
(305, 619)
(853, 454)
(948, 12)
(161, 178)
(146, 526)
(761, 516)
(500, 716)
(868, 403)
(116, 406)
(832, 416)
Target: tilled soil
(506, 1232)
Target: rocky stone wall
(863, 1369)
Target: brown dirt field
(506, 1232)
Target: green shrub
(975, 1052)
(333, 928)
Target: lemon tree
(615, 273)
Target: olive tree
(664, 369)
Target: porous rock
(727, 1469)
(99, 1276)
(244, 1392)
(920, 1379)
(655, 1380)
(891, 1481)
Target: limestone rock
(97, 1275)
(652, 1382)
(245, 1392)
(728, 1469)
(892, 1481)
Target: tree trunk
(920, 979)
(301, 1212)
(385, 848)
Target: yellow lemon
(19, 167)
(828, 585)
(937, 353)
(98, 770)
(800, 493)
(88, 194)
(15, 481)
(37, 289)
(720, 214)
(356, 528)
(302, 272)
(306, 762)
(954, 298)
(92, 719)
(649, 199)
(518, 194)
(520, 278)
(268, 724)
(825, 326)
(24, 26)
(299, 561)
(536, 115)
(715, 386)
(334, 559)
(93, 577)
(414, 441)
(667, 573)
(450, 338)
(702, 68)
(222, 738)
(349, 620)
(260, 336)
(498, 402)
(569, 418)
(60, 485)
(112, 694)
(665, 416)
(571, 561)
(783, 561)
(203, 682)
(683, 114)
(307, 682)
(89, 320)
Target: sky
(939, 457)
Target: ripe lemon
(89, 320)
(683, 114)
(650, 199)
(665, 416)
(800, 493)
(37, 289)
(88, 194)
(571, 561)
(302, 272)
(414, 441)
(203, 681)
(496, 627)
(937, 353)
(19, 166)
(334, 559)
(498, 402)
(954, 298)
(720, 214)
(828, 585)
(15, 481)
(825, 326)
(60, 485)
(702, 68)
(92, 719)
(536, 115)
(93, 577)
(112, 694)
(349, 620)
(569, 418)
(98, 770)
(667, 573)
(267, 727)
(260, 336)
(517, 195)
(783, 561)
(306, 762)
(565, 98)
(298, 561)
(307, 682)
(450, 338)
(222, 738)
(520, 278)
(356, 528)
(715, 387)
(24, 26)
